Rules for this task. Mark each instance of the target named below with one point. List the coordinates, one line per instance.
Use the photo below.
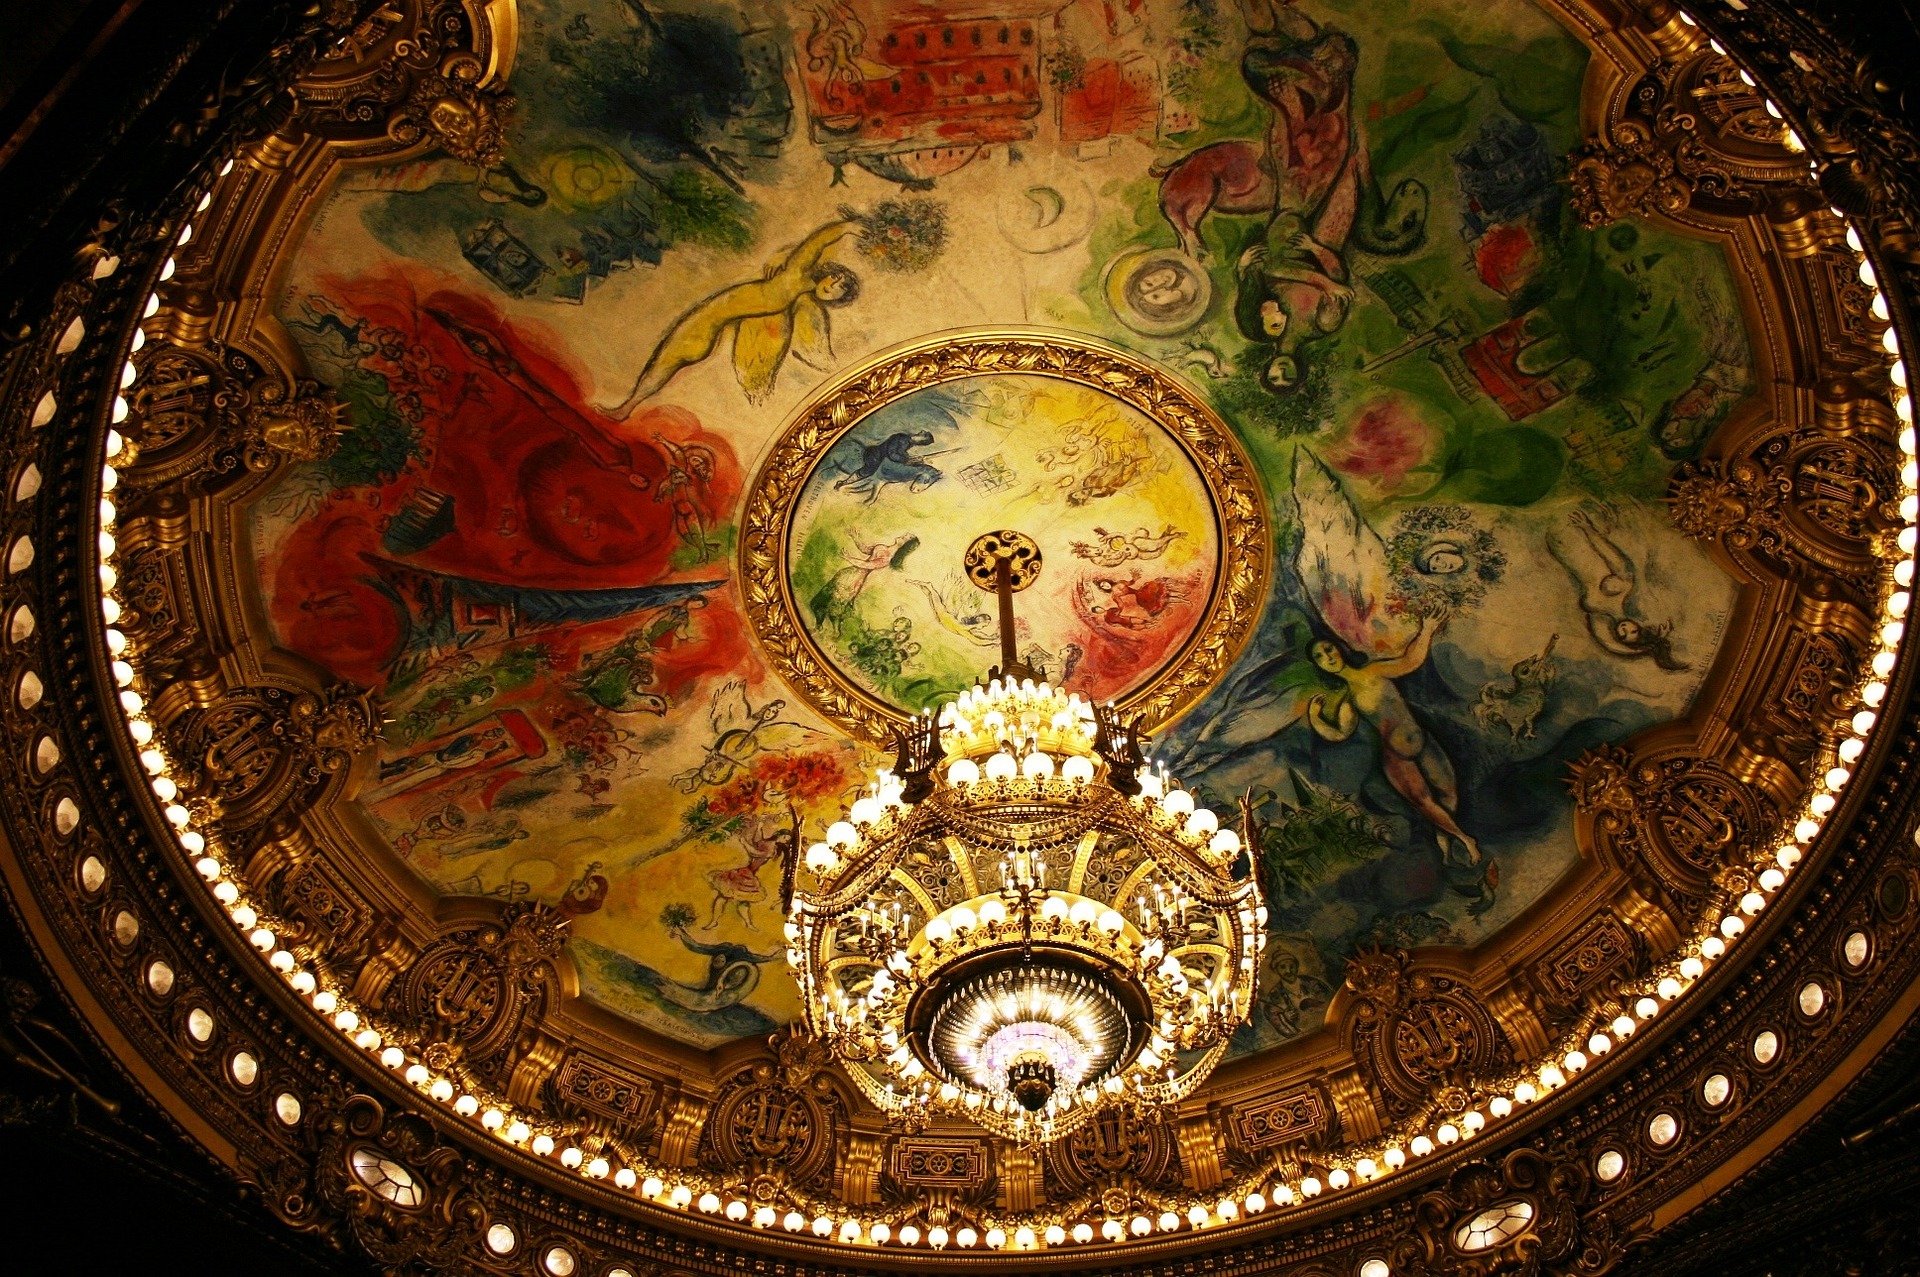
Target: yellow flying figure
(784, 310)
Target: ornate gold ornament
(463, 119)
(1635, 176)
(1239, 509)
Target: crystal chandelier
(1022, 923)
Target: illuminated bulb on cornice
(442, 1091)
(1421, 1146)
(736, 1210)
(764, 1216)
(1112, 1230)
(1499, 1106)
(1338, 1178)
(1525, 1093)
(709, 1202)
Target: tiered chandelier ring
(1022, 924)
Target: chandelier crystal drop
(1021, 923)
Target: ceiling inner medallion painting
(1132, 488)
(670, 410)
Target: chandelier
(1022, 923)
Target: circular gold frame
(1240, 508)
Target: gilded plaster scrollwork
(473, 992)
(413, 72)
(1682, 818)
(405, 1196)
(1521, 1215)
(1420, 1036)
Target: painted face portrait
(1163, 289)
(1158, 292)
(1442, 558)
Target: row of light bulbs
(673, 1190)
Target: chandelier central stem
(1003, 587)
(1005, 562)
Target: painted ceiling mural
(1343, 222)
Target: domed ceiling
(537, 471)
(1344, 228)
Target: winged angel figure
(1336, 683)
